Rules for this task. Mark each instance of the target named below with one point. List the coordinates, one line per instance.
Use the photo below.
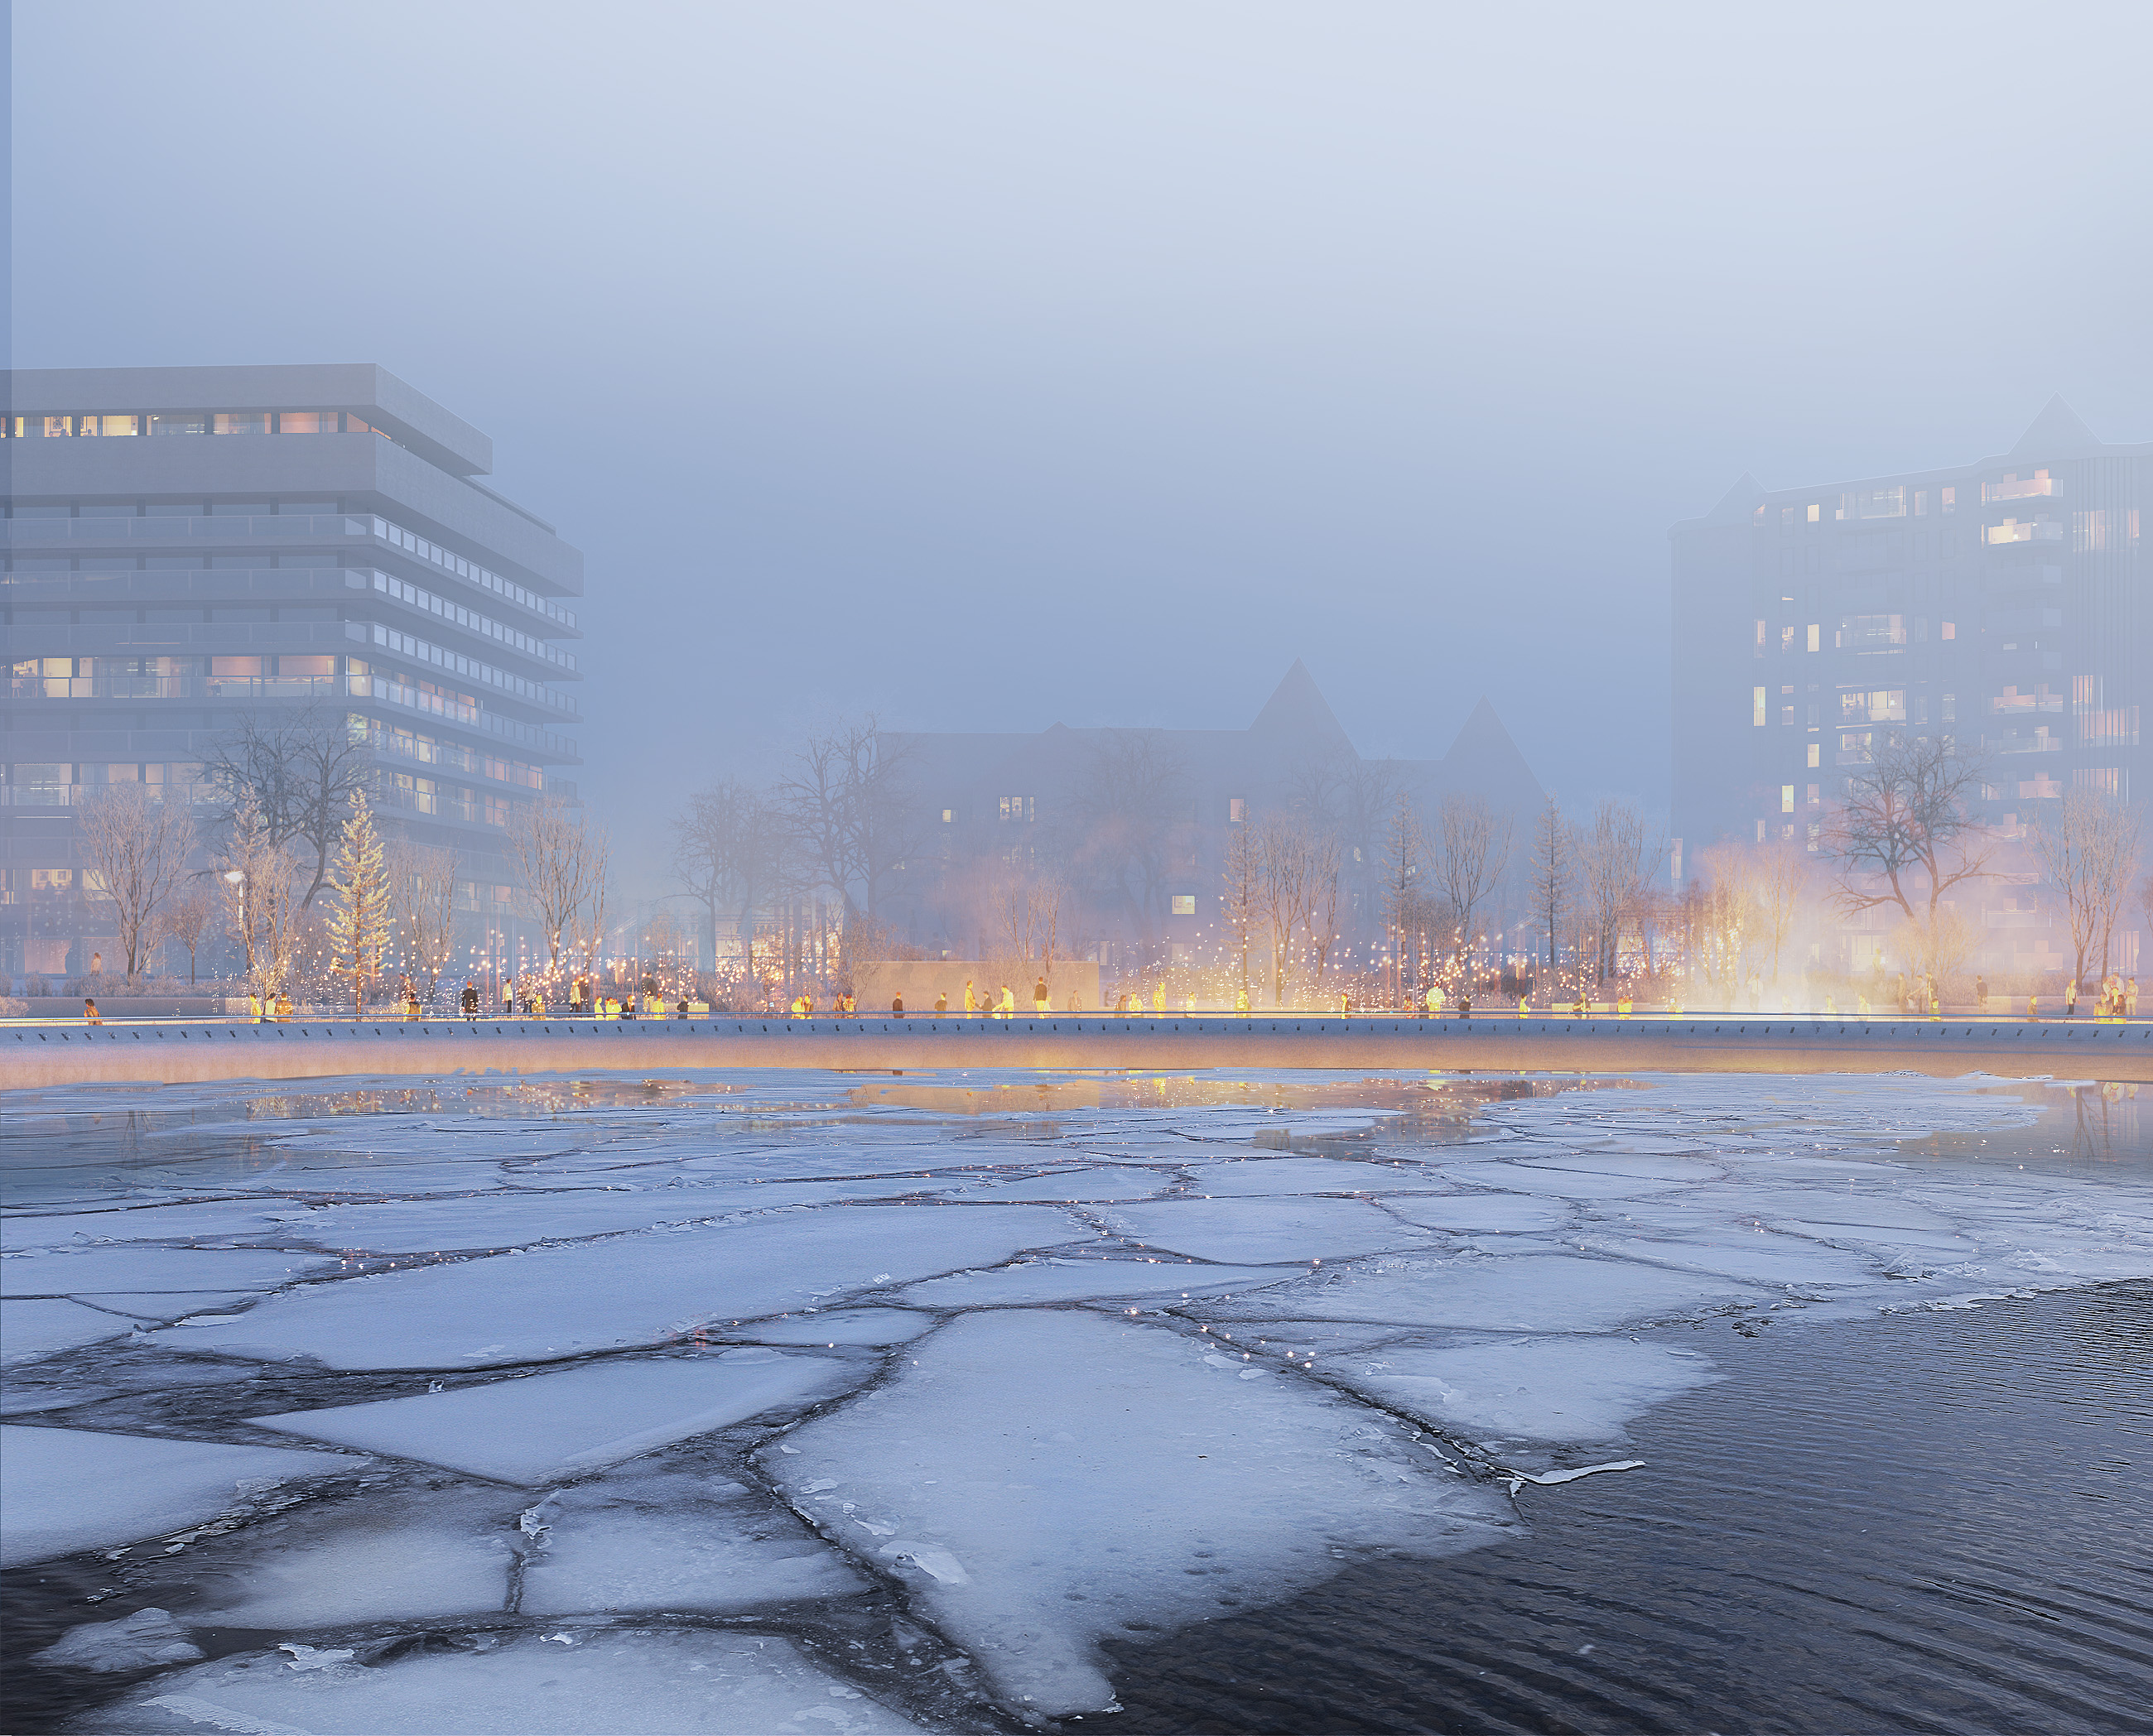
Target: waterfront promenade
(184, 1052)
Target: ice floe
(68, 1489)
(610, 1682)
(31, 1329)
(673, 1540)
(135, 1268)
(1568, 1390)
(147, 1638)
(541, 1428)
(1042, 1480)
(1256, 1232)
(1035, 1281)
(625, 1290)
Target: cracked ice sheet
(1521, 1293)
(1249, 1175)
(543, 1428)
(610, 1682)
(625, 1290)
(29, 1330)
(68, 1489)
(1052, 1281)
(21, 1231)
(138, 1269)
(1262, 1232)
(1570, 1392)
(671, 1540)
(1040, 1480)
(429, 1553)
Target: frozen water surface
(1041, 1479)
(604, 1683)
(546, 1427)
(1050, 1360)
(65, 1489)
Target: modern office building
(187, 546)
(2003, 602)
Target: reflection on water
(2085, 1130)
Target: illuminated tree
(359, 901)
(260, 900)
(298, 774)
(2089, 850)
(422, 880)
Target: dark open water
(1934, 1522)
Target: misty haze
(933, 868)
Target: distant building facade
(185, 546)
(2003, 602)
(1137, 823)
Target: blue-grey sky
(987, 365)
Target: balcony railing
(28, 536)
(2018, 487)
(380, 689)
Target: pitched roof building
(1136, 822)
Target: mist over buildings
(986, 370)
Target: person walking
(971, 1000)
(1039, 997)
(1006, 1007)
(2071, 999)
(468, 1001)
(1981, 995)
(90, 1015)
(283, 1005)
(942, 1001)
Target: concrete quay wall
(41, 1055)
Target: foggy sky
(990, 366)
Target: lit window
(307, 421)
(1760, 638)
(1816, 512)
(1815, 792)
(240, 422)
(1786, 798)
(1016, 807)
(1757, 701)
(1815, 635)
(1185, 904)
(949, 814)
(1762, 831)
(1949, 630)
(183, 424)
(108, 424)
(58, 428)
(1237, 807)
(1949, 498)
(1816, 757)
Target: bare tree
(299, 772)
(1130, 805)
(261, 901)
(590, 915)
(422, 880)
(187, 916)
(1782, 881)
(1554, 874)
(2089, 849)
(1285, 867)
(136, 850)
(1404, 850)
(850, 806)
(1471, 854)
(1244, 899)
(1323, 883)
(551, 851)
(1614, 862)
(1907, 833)
(729, 850)
(1726, 913)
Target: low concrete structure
(45, 1055)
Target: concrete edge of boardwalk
(180, 1052)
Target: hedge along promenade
(34, 1055)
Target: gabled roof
(1297, 708)
(1738, 502)
(2056, 433)
(1483, 761)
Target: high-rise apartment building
(2001, 602)
(186, 546)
